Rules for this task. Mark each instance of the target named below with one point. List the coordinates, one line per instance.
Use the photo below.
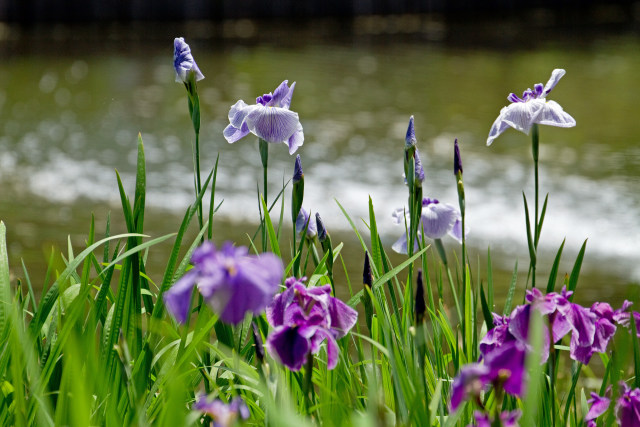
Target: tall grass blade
(575, 272)
(511, 291)
(553, 275)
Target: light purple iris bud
(410, 139)
(222, 414)
(303, 319)
(628, 407)
(303, 222)
(183, 61)
(532, 108)
(269, 119)
(298, 174)
(231, 281)
(437, 220)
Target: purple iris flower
(507, 418)
(304, 223)
(628, 406)
(598, 405)
(605, 328)
(183, 61)
(269, 119)
(303, 318)
(437, 220)
(502, 367)
(497, 336)
(532, 108)
(222, 414)
(231, 281)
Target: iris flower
(532, 108)
(222, 414)
(303, 318)
(437, 220)
(269, 119)
(231, 281)
(183, 61)
(503, 367)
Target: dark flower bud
(367, 277)
(420, 307)
(257, 339)
(457, 161)
(322, 232)
(297, 170)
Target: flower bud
(457, 161)
(420, 307)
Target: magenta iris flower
(628, 406)
(532, 108)
(183, 61)
(303, 318)
(502, 367)
(222, 414)
(231, 281)
(598, 405)
(507, 419)
(269, 119)
(436, 221)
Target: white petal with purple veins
(438, 219)
(553, 115)
(296, 140)
(498, 127)
(232, 134)
(522, 115)
(556, 75)
(273, 124)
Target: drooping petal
(553, 115)
(289, 347)
(438, 219)
(399, 216)
(304, 223)
(522, 115)
(178, 297)
(296, 140)
(556, 75)
(273, 124)
(343, 317)
(498, 127)
(332, 351)
(506, 364)
(233, 134)
(238, 112)
(456, 230)
(400, 246)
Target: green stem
(308, 383)
(263, 147)
(535, 137)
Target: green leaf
(5, 285)
(554, 269)
(512, 289)
(273, 240)
(530, 242)
(573, 279)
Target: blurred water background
(74, 97)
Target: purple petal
(456, 231)
(289, 347)
(296, 140)
(438, 219)
(343, 317)
(599, 405)
(410, 138)
(273, 124)
(286, 100)
(303, 223)
(183, 61)
(400, 246)
(279, 94)
(553, 115)
(583, 322)
(178, 297)
(233, 134)
(556, 75)
(469, 381)
(506, 364)
(332, 349)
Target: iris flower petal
(553, 115)
(296, 140)
(273, 124)
(438, 219)
(556, 75)
(289, 346)
(522, 115)
(178, 297)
